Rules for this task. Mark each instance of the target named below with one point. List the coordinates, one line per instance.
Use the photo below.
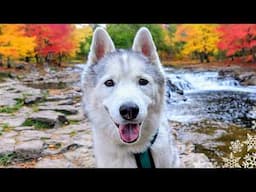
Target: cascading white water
(204, 81)
(208, 96)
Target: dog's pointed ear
(143, 42)
(101, 45)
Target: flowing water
(216, 110)
(209, 96)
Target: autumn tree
(84, 35)
(200, 39)
(14, 43)
(238, 40)
(173, 47)
(54, 41)
(166, 47)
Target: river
(212, 112)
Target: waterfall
(199, 81)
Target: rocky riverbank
(42, 125)
(243, 77)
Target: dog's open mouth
(129, 133)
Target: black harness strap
(145, 159)
(151, 159)
(137, 158)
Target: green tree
(85, 47)
(123, 35)
(84, 33)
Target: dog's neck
(145, 159)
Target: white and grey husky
(123, 96)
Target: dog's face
(123, 87)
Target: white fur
(110, 151)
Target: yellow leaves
(80, 34)
(184, 32)
(24, 45)
(14, 43)
(83, 32)
(198, 37)
(167, 39)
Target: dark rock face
(244, 77)
(173, 93)
(173, 88)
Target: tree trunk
(196, 55)
(1, 61)
(27, 59)
(206, 57)
(8, 62)
(243, 52)
(59, 59)
(201, 56)
(37, 59)
(46, 59)
(253, 55)
(41, 60)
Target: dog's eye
(109, 83)
(143, 82)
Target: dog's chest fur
(109, 155)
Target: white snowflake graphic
(253, 124)
(231, 162)
(251, 142)
(249, 161)
(236, 146)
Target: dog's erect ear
(101, 44)
(143, 42)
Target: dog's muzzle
(129, 110)
(129, 130)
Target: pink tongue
(129, 132)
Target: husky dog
(123, 97)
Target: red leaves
(52, 38)
(235, 37)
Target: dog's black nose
(129, 111)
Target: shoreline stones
(245, 78)
(48, 117)
(61, 146)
